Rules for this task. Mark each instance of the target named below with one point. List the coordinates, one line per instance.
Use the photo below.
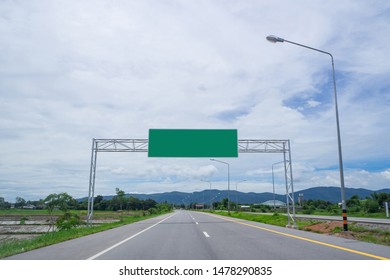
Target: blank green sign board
(193, 143)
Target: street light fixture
(228, 168)
(275, 39)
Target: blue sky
(76, 70)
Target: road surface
(186, 235)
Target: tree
(225, 203)
(382, 198)
(98, 199)
(149, 203)
(120, 197)
(4, 204)
(98, 202)
(354, 204)
(371, 206)
(134, 203)
(379, 198)
(217, 205)
(51, 202)
(63, 202)
(20, 202)
(83, 205)
(164, 207)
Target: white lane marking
(193, 219)
(127, 239)
(206, 234)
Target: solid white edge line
(127, 239)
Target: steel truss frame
(244, 146)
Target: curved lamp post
(275, 39)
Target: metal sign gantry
(244, 146)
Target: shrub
(371, 206)
(23, 220)
(68, 221)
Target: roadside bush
(335, 211)
(23, 220)
(354, 209)
(308, 209)
(371, 206)
(68, 221)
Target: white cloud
(313, 103)
(75, 70)
(386, 173)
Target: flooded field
(17, 227)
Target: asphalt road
(185, 235)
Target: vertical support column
(289, 186)
(287, 190)
(92, 175)
(291, 182)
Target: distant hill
(331, 194)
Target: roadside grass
(10, 248)
(275, 219)
(338, 212)
(377, 236)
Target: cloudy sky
(75, 70)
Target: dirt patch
(332, 228)
(325, 227)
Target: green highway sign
(193, 143)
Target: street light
(206, 182)
(228, 180)
(210, 188)
(275, 39)
(273, 181)
(237, 192)
(212, 199)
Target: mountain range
(331, 194)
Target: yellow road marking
(303, 238)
